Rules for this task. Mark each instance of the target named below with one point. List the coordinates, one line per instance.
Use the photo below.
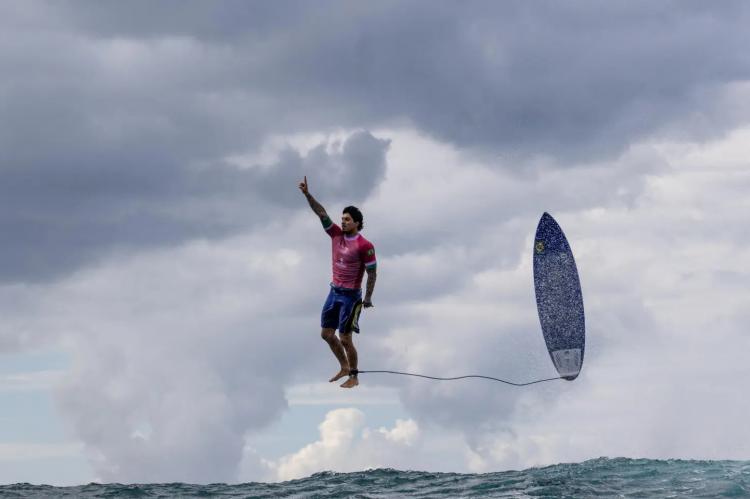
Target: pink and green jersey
(350, 255)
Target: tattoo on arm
(316, 207)
(372, 276)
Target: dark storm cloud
(111, 110)
(575, 79)
(63, 215)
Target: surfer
(352, 255)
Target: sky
(161, 275)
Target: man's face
(347, 223)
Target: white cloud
(183, 351)
(663, 260)
(406, 432)
(176, 353)
(333, 451)
(663, 286)
(192, 318)
(346, 444)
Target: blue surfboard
(559, 300)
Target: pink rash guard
(350, 256)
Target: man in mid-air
(352, 255)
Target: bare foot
(351, 382)
(343, 372)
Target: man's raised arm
(316, 207)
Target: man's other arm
(372, 275)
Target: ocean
(595, 478)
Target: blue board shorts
(341, 310)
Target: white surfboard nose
(567, 362)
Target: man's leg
(329, 334)
(351, 355)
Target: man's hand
(367, 304)
(303, 186)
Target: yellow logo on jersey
(539, 246)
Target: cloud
(632, 405)
(118, 128)
(149, 157)
(405, 432)
(65, 216)
(337, 433)
(345, 444)
(658, 341)
(651, 232)
(579, 80)
(180, 353)
(176, 354)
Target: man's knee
(346, 339)
(328, 334)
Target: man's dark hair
(356, 215)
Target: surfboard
(559, 300)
